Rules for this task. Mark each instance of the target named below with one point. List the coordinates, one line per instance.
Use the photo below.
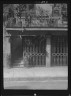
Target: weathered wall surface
(6, 49)
(47, 9)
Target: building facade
(37, 36)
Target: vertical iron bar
(31, 56)
(36, 53)
(56, 52)
(44, 52)
(62, 51)
(53, 51)
(59, 50)
(39, 52)
(33, 52)
(66, 50)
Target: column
(48, 52)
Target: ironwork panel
(59, 50)
(35, 50)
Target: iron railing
(36, 21)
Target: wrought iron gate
(34, 51)
(59, 50)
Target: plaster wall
(6, 49)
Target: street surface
(36, 78)
(37, 84)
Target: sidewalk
(36, 72)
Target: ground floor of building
(44, 49)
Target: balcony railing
(36, 21)
(37, 17)
(31, 19)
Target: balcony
(38, 17)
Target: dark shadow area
(16, 50)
